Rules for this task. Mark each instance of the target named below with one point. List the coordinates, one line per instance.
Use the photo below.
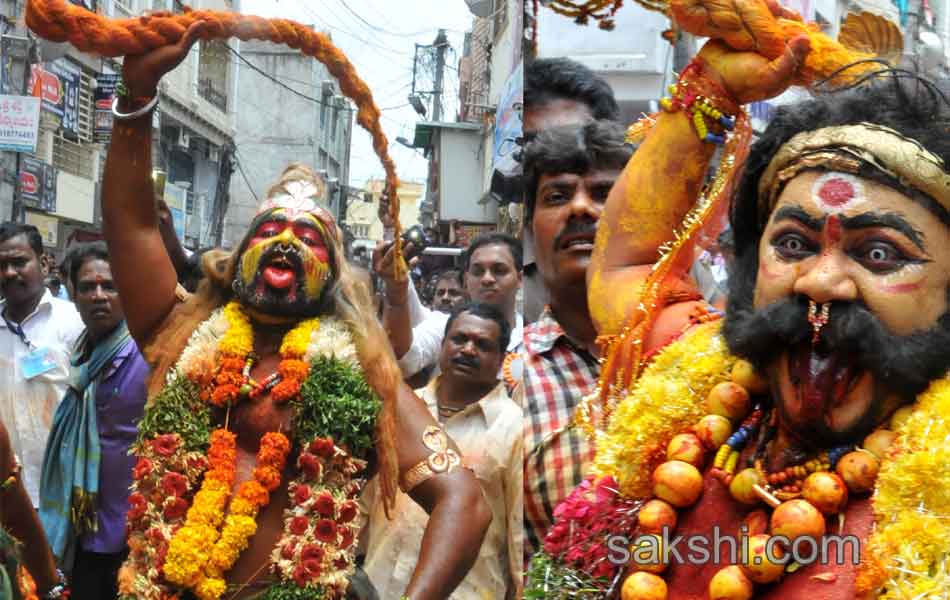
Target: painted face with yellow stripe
(286, 263)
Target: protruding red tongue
(822, 379)
(278, 277)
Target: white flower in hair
(298, 197)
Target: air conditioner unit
(184, 140)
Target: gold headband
(845, 148)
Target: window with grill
(213, 62)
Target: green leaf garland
(178, 408)
(336, 401)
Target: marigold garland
(907, 554)
(666, 399)
(191, 546)
(236, 349)
(333, 424)
(240, 524)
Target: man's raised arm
(663, 179)
(140, 264)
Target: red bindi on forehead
(836, 192)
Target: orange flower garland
(235, 348)
(199, 555)
(233, 381)
(253, 495)
(190, 547)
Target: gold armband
(442, 460)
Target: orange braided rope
(62, 21)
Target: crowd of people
(298, 419)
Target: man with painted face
(274, 396)
(821, 405)
(37, 333)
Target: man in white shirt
(486, 424)
(37, 333)
(492, 272)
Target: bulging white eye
(878, 254)
(793, 243)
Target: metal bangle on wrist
(135, 114)
(123, 92)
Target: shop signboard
(37, 184)
(19, 123)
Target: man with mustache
(449, 293)
(835, 421)
(87, 470)
(37, 333)
(558, 92)
(569, 171)
(475, 408)
(273, 397)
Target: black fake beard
(904, 364)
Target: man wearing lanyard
(37, 332)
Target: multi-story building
(288, 109)
(192, 131)
(472, 160)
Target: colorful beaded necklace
(800, 495)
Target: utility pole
(441, 44)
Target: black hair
(492, 239)
(573, 149)
(453, 274)
(548, 79)
(484, 311)
(78, 255)
(10, 230)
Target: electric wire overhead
(281, 83)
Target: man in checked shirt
(568, 173)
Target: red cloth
(717, 507)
